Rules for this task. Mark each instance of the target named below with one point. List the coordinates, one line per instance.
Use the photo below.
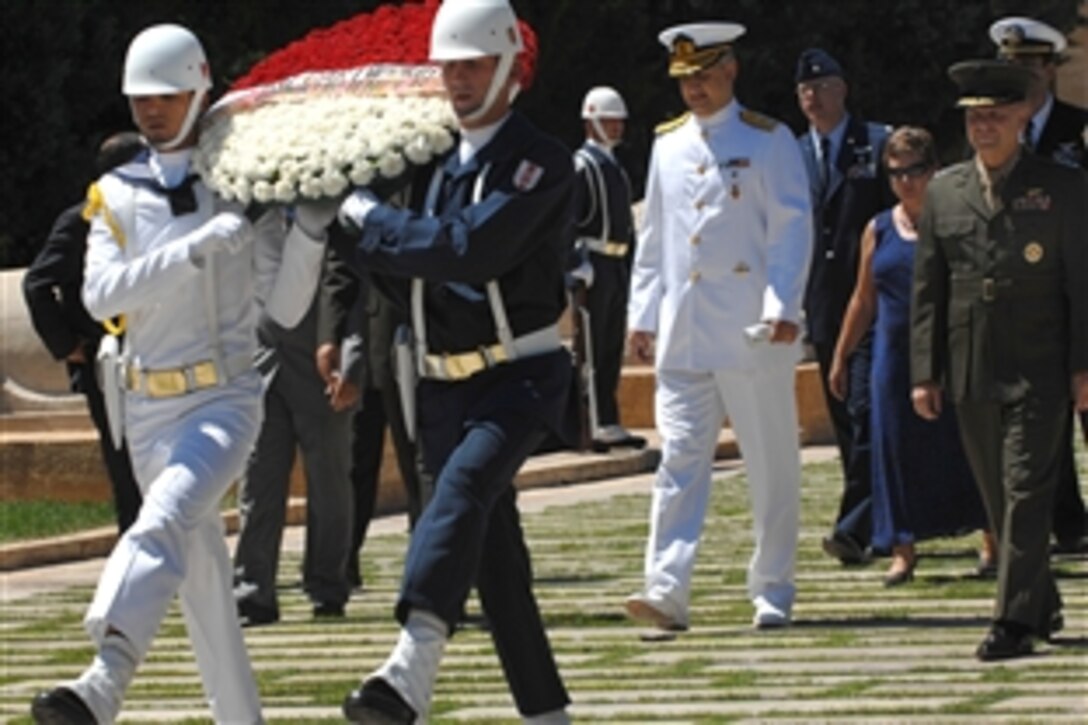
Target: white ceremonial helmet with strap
(603, 102)
(465, 29)
(165, 60)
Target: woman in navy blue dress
(922, 485)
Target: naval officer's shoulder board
(671, 125)
(758, 120)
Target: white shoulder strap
(598, 192)
(494, 294)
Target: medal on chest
(732, 168)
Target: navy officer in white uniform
(190, 277)
(717, 288)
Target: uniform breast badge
(1033, 253)
(1069, 153)
(1033, 200)
(863, 166)
(733, 165)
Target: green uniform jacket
(1000, 300)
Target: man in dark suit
(304, 414)
(1000, 316)
(1055, 131)
(51, 288)
(370, 320)
(842, 154)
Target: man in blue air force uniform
(842, 155)
(717, 284)
(481, 249)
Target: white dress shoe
(768, 615)
(643, 609)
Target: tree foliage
(62, 63)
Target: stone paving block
(857, 653)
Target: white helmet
(164, 60)
(603, 102)
(474, 28)
(466, 29)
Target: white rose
(333, 183)
(284, 191)
(418, 150)
(263, 191)
(391, 164)
(362, 173)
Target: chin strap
(502, 72)
(195, 106)
(603, 138)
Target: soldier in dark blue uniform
(1056, 130)
(51, 288)
(842, 154)
(999, 317)
(605, 241)
(482, 249)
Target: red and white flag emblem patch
(527, 176)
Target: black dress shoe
(1070, 545)
(328, 610)
(251, 614)
(61, 706)
(843, 547)
(377, 703)
(630, 441)
(1004, 644)
(1056, 624)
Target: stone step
(55, 454)
(550, 469)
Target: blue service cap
(816, 63)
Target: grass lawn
(39, 519)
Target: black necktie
(181, 197)
(825, 165)
(1029, 134)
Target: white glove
(354, 210)
(227, 231)
(583, 273)
(314, 216)
(759, 332)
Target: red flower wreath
(390, 34)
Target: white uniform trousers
(186, 452)
(690, 408)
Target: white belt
(172, 382)
(463, 365)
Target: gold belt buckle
(164, 383)
(464, 365)
(204, 375)
(989, 289)
(171, 382)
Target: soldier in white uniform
(717, 285)
(187, 276)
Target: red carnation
(391, 34)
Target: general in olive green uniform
(1000, 317)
